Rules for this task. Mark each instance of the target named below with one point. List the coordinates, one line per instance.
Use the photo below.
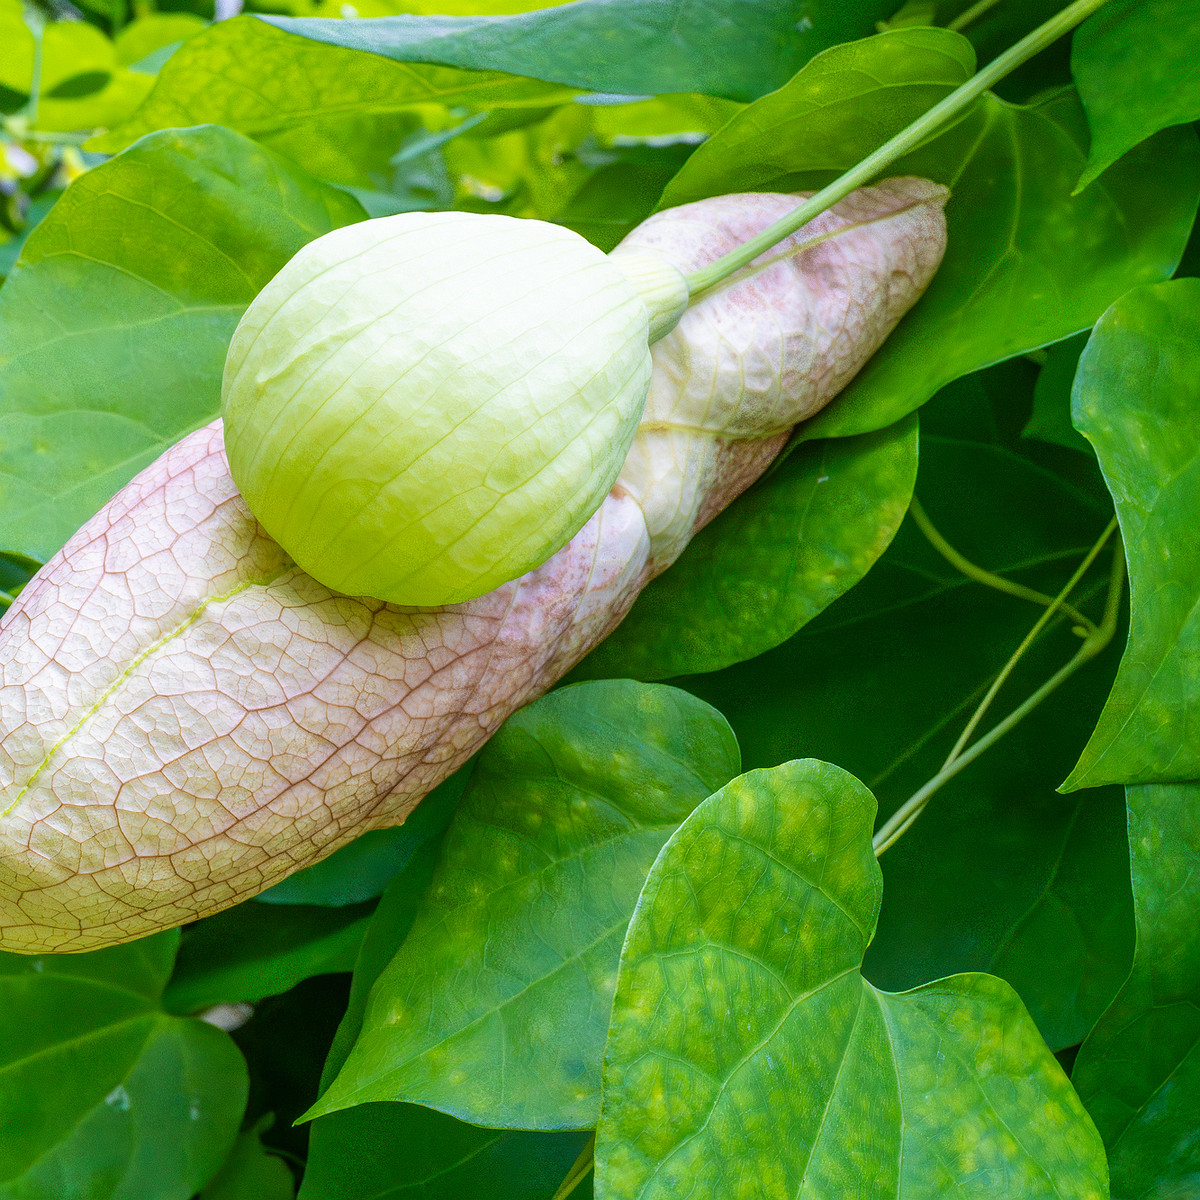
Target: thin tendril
(902, 819)
(989, 579)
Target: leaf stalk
(962, 756)
(925, 126)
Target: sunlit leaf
(748, 1057)
(338, 113)
(115, 321)
(495, 1007)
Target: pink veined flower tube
(186, 717)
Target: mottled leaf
(1137, 400)
(1131, 95)
(747, 1056)
(404, 1151)
(800, 538)
(1139, 1070)
(495, 1007)
(102, 1095)
(115, 321)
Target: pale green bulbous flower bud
(422, 407)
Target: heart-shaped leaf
(747, 1056)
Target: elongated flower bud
(186, 716)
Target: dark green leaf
(1136, 68)
(733, 48)
(768, 564)
(405, 1152)
(361, 870)
(999, 874)
(115, 321)
(102, 1095)
(748, 1057)
(1050, 420)
(256, 950)
(1027, 263)
(1139, 1070)
(1137, 396)
(495, 1007)
(338, 113)
(250, 1173)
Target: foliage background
(450, 1001)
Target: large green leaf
(841, 106)
(1129, 96)
(1027, 263)
(747, 1056)
(495, 1007)
(1139, 1070)
(338, 113)
(768, 564)
(1137, 400)
(256, 950)
(102, 1095)
(115, 321)
(738, 49)
(1000, 874)
(418, 1153)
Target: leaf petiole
(962, 756)
(925, 126)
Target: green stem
(579, 1170)
(986, 577)
(907, 139)
(902, 819)
(971, 15)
